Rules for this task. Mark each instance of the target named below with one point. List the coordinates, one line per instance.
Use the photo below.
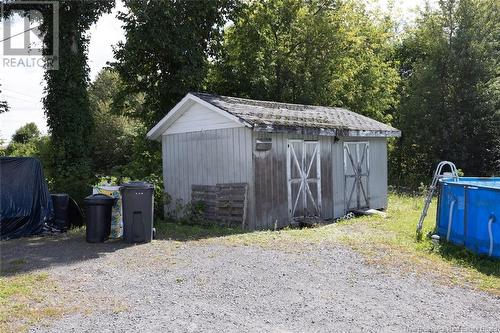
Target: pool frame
(468, 213)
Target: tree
(4, 107)
(165, 55)
(26, 133)
(313, 52)
(166, 49)
(28, 142)
(24, 142)
(449, 92)
(113, 134)
(66, 101)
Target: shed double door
(357, 173)
(304, 179)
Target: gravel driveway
(205, 286)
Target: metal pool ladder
(430, 193)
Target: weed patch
(23, 301)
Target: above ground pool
(469, 213)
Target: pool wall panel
(483, 206)
(452, 208)
(469, 214)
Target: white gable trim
(198, 118)
(181, 107)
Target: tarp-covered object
(25, 203)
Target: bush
(186, 213)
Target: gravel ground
(202, 286)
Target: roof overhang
(190, 99)
(179, 109)
(329, 131)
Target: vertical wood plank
(228, 156)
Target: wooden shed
(263, 164)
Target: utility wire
(7, 90)
(19, 98)
(20, 33)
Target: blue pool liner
(469, 213)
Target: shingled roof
(306, 119)
(280, 117)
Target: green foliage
(4, 107)
(121, 151)
(186, 232)
(311, 52)
(26, 142)
(166, 49)
(185, 212)
(165, 55)
(450, 94)
(145, 165)
(16, 149)
(36, 146)
(26, 133)
(66, 101)
(2, 147)
(39, 148)
(155, 178)
(113, 134)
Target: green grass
(397, 233)
(389, 241)
(23, 301)
(185, 232)
(22, 285)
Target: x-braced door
(357, 173)
(304, 179)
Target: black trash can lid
(99, 199)
(136, 185)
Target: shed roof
(284, 117)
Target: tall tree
(450, 94)
(66, 101)
(314, 52)
(166, 50)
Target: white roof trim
(181, 107)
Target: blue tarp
(25, 203)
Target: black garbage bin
(137, 205)
(98, 214)
(61, 220)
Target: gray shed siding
(206, 158)
(270, 192)
(378, 174)
(378, 177)
(229, 156)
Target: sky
(22, 86)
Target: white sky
(22, 87)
